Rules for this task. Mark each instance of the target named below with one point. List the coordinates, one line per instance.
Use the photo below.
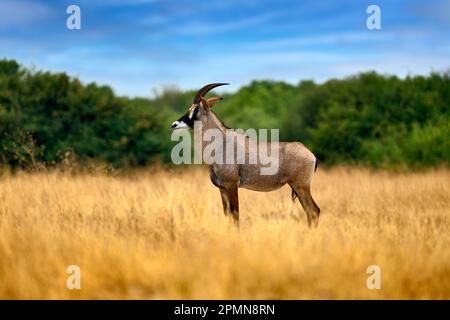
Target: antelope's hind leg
(230, 202)
(309, 205)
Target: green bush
(383, 121)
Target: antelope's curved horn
(201, 93)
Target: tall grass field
(161, 234)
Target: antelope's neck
(212, 123)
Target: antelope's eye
(193, 113)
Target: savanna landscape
(86, 180)
(160, 233)
(106, 106)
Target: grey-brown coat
(296, 164)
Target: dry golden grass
(162, 235)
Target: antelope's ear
(211, 101)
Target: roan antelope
(296, 164)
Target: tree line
(368, 118)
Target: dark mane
(220, 121)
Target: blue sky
(137, 46)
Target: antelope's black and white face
(187, 121)
(199, 108)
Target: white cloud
(200, 27)
(22, 13)
(323, 39)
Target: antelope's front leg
(230, 202)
